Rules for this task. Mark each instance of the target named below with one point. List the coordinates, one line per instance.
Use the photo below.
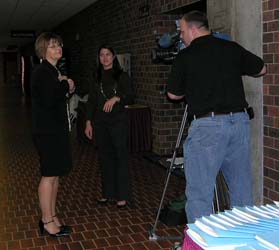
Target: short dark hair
(42, 43)
(196, 18)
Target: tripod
(152, 235)
(218, 186)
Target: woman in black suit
(50, 128)
(106, 112)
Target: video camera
(170, 44)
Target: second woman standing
(111, 91)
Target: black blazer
(49, 108)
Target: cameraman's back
(213, 70)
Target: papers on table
(250, 227)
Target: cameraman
(208, 74)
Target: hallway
(94, 227)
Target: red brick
(77, 237)
(274, 90)
(265, 6)
(13, 245)
(101, 243)
(88, 244)
(268, 15)
(269, 162)
(138, 246)
(273, 68)
(269, 100)
(273, 26)
(268, 79)
(125, 247)
(62, 247)
(18, 235)
(265, 28)
(39, 241)
(89, 235)
(101, 233)
(3, 246)
(273, 4)
(268, 183)
(276, 58)
(276, 37)
(273, 195)
(273, 47)
(268, 37)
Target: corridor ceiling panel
(34, 15)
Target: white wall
(247, 30)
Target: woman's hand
(62, 77)
(70, 82)
(88, 130)
(110, 103)
(71, 85)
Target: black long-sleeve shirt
(209, 73)
(102, 91)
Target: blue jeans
(214, 143)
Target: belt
(213, 113)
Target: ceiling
(34, 16)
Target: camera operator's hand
(110, 103)
(88, 130)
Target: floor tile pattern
(94, 227)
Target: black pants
(111, 140)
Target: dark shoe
(61, 233)
(65, 228)
(102, 201)
(122, 204)
(105, 202)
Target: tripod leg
(217, 199)
(152, 235)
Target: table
(140, 135)
(139, 126)
(189, 244)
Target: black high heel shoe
(65, 228)
(104, 201)
(61, 233)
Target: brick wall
(121, 24)
(167, 5)
(271, 99)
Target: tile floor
(94, 227)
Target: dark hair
(117, 70)
(42, 42)
(196, 18)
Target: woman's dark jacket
(49, 108)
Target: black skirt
(54, 153)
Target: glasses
(56, 46)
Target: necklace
(67, 103)
(103, 93)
